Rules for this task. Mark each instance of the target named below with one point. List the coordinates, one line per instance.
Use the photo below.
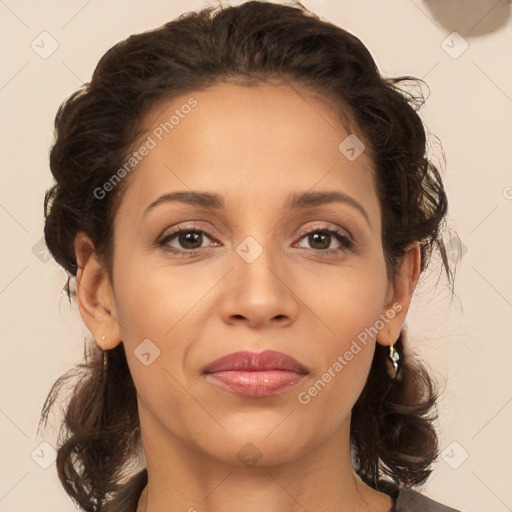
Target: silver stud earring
(104, 355)
(395, 357)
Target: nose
(259, 288)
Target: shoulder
(409, 500)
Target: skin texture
(253, 146)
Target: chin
(261, 439)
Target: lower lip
(256, 383)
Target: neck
(182, 478)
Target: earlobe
(95, 295)
(400, 295)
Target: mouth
(255, 374)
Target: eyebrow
(295, 200)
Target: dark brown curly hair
(393, 434)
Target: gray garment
(410, 500)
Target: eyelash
(338, 235)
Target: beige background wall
(466, 343)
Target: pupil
(324, 245)
(186, 238)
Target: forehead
(254, 142)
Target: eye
(190, 241)
(322, 237)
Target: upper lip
(256, 361)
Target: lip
(246, 361)
(255, 374)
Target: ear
(399, 295)
(95, 295)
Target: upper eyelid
(325, 225)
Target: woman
(247, 206)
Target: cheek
(155, 311)
(347, 304)
(350, 311)
(151, 313)
(334, 387)
(152, 300)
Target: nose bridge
(258, 280)
(255, 260)
(253, 229)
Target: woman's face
(256, 279)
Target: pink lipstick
(255, 374)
